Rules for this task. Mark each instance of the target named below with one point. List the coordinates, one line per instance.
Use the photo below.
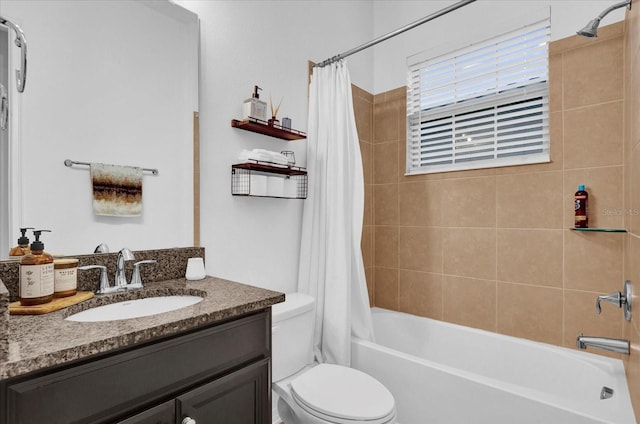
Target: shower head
(591, 29)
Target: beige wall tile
(593, 261)
(470, 252)
(386, 288)
(536, 260)
(592, 73)
(363, 111)
(633, 274)
(593, 136)
(420, 203)
(634, 201)
(555, 82)
(366, 243)
(421, 294)
(470, 302)
(385, 204)
(386, 246)
(385, 162)
(469, 202)
(368, 204)
(385, 120)
(529, 200)
(366, 151)
(605, 188)
(531, 312)
(580, 317)
(420, 249)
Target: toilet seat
(343, 395)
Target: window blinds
(482, 106)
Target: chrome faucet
(121, 278)
(612, 345)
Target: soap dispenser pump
(23, 245)
(36, 274)
(254, 107)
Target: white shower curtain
(331, 267)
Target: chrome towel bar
(70, 163)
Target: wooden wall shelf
(262, 127)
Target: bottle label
(36, 280)
(66, 279)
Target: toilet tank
(292, 325)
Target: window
(483, 106)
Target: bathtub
(449, 374)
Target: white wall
(472, 23)
(112, 82)
(268, 43)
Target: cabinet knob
(188, 420)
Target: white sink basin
(134, 308)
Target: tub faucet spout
(612, 345)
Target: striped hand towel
(117, 190)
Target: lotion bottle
(581, 199)
(23, 245)
(254, 107)
(36, 274)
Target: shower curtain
(331, 267)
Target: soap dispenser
(36, 274)
(254, 107)
(23, 245)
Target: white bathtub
(449, 374)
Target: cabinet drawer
(106, 389)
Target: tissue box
(258, 185)
(275, 186)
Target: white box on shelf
(258, 185)
(275, 186)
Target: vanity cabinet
(215, 374)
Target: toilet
(311, 393)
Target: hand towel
(117, 190)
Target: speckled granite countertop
(39, 341)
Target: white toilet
(319, 393)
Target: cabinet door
(242, 397)
(161, 414)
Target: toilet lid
(342, 393)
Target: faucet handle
(616, 298)
(136, 280)
(104, 279)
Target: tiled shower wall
(632, 193)
(493, 248)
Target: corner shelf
(254, 179)
(600, 230)
(262, 127)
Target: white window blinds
(482, 106)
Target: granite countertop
(39, 341)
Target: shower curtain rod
(394, 33)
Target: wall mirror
(111, 82)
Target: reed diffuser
(274, 112)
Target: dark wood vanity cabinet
(217, 374)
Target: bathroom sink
(134, 308)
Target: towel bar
(70, 163)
